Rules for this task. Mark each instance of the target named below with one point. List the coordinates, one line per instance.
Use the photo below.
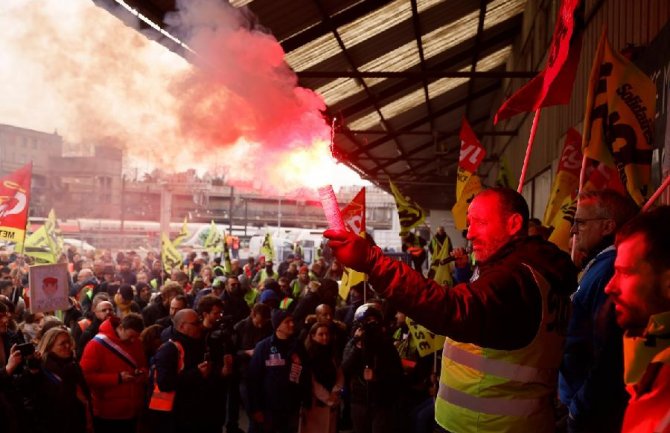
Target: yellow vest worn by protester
(442, 270)
(489, 390)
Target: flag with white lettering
(566, 181)
(472, 154)
(14, 204)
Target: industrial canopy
(397, 75)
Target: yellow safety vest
(489, 390)
(285, 303)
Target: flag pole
(657, 194)
(531, 140)
(582, 176)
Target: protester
(181, 372)
(279, 380)
(103, 311)
(640, 289)
(55, 393)
(513, 312)
(116, 371)
(375, 374)
(321, 415)
(591, 376)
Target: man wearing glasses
(102, 311)
(591, 376)
(182, 368)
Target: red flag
(353, 213)
(472, 151)
(472, 154)
(552, 86)
(14, 204)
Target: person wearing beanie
(299, 285)
(279, 380)
(269, 298)
(124, 301)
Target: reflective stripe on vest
(496, 367)
(489, 390)
(497, 406)
(285, 303)
(163, 401)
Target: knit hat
(126, 292)
(267, 296)
(278, 316)
(304, 269)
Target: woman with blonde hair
(57, 398)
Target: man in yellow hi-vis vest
(504, 327)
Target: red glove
(350, 249)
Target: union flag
(14, 204)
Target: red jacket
(101, 367)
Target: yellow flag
(267, 248)
(214, 241)
(183, 234)
(227, 264)
(504, 178)
(566, 182)
(460, 209)
(562, 222)
(410, 213)
(170, 257)
(55, 238)
(441, 271)
(426, 341)
(619, 117)
(38, 246)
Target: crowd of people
(535, 341)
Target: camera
(26, 349)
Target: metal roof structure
(397, 75)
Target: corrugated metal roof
(398, 73)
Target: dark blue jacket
(270, 389)
(591, 376)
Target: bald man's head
(188, 322)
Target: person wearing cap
(373, 366)
(299, 285)
(124, 301)
(279, 380)
(218, 286)
(265, 273)
(269, 297)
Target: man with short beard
(510, 318)
(640, 289)
(159, 307)
(234, 306)
(103, 311)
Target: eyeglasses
(581, 222)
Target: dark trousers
(375, 419)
